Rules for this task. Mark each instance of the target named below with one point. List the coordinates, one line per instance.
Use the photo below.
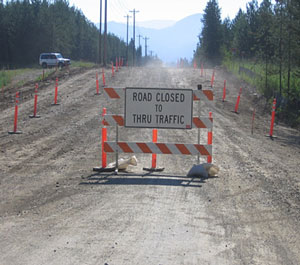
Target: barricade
(118, 93)
(155, 147)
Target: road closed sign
(158, 108)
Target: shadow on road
(142, 179)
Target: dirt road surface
(55, 210)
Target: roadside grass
(82, 64)
(268, 84)
(7, 76)
(45, 74)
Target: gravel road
(55, 210)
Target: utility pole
(127, 51)
(105, 35)
(151, 53)
(100, 32)
(140, 36)
(146, 45)
(134, 12)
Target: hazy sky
(155, 9)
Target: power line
(116, 9)
(140, 36)
(123, 5)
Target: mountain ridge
(170, 43)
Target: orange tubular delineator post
(15, 131)
(35, 102)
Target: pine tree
(211, 36)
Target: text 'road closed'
(158, 108)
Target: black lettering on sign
(170, 97)
(142, 118)
(141, 96)
(169, 119)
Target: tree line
(265, 35)
(30, 27)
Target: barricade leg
(103, 153)
(209, 140)
(154, 158)
(154, 136)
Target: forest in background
(264, 42)
(28, 28)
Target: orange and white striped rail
(158, 148)
(198, 122)
(205, 94)
(118, 93)
(114, 93)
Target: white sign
(158, 108)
